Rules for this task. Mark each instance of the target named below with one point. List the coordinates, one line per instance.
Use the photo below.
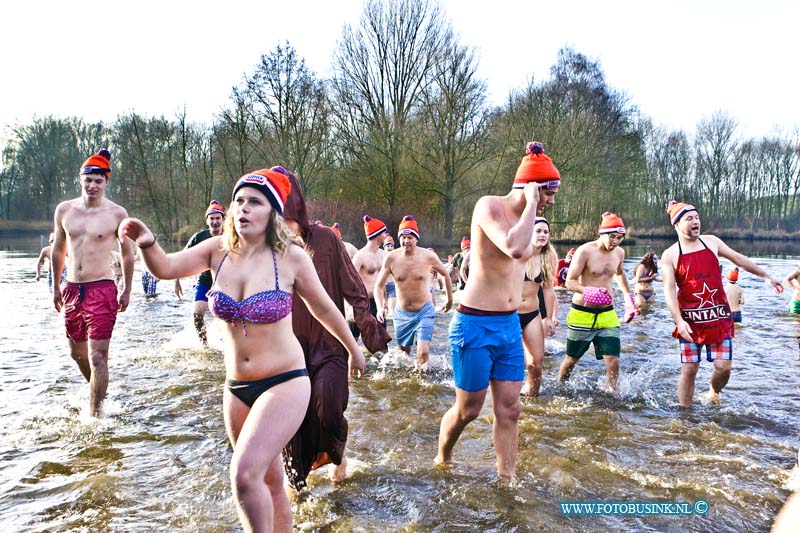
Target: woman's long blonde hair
(547, 261)
(278, 236)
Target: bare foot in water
(441, 464)
(339, 472)
(712, 396)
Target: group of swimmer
(294, 297)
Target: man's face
(689, 225)
(214, 221)
(611, 240)
(408, 241)
(547, 196)
(93, 185)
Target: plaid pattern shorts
(692, 352)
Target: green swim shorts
(587, 326)
(794, 307)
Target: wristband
(155, 238)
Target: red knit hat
(274, 185)
(336, 230)
(373, 227)
(215, 208)
(99, 163)
(388, 240)
(537, 167)
(676, 210)
(733, 275)
(571, 252)
(611, 224)
(464, 244)
(408, 227)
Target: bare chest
(83, 227)
(411, 270)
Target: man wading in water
(696, 298)
(86, 230)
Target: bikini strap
(216, 273)
(275, 264)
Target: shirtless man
(485, 337)
(411, 267)
(592, 319)
(85, 231)
(696, 298)
(793, 282)
(368, 262)
(215, 214)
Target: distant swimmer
(85, 232)
(695, 297)
(411, 267)
(215, 216)
(563, 268)
(540, 270)
(391, 286)
(149, 285)
(591, 319)
(259, 267)
(735, 294)
(644, 275)
(44, 255)
(485, 337)
(793, 282)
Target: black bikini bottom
(249, 391)
(527, 318)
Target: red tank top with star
(701, 296)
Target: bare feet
(712, 396)
(339, 472)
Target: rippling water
(159, 459)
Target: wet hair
(649, 262)
(278, 235)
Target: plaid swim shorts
(691, 352)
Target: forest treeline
(403, 126)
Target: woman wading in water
(258, 268)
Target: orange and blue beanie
(215, 208)
(611, 223)
(408, 227)
(336, 230)
(99, 163)
(676, 210)
(272, 184)
(373, 227)
(465, 244)
(537, 167)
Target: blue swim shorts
(391, 290)
(408, 324)
(200, 291)
(485, 348)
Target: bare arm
(747, 264)
(621, 278)
(161, 265)
(44, 254)
(671, 296)
(308, 287)
(126, 251)
(575, 268)
(514, 241)
(57, 253)
(464, 266)
(793, 279)
(380, 283)
(439, 267)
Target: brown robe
(322, 435)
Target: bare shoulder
(669, 255)
(64, 207)
(117, 210)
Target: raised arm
(514, 241)
(168, 266)
(308, 287)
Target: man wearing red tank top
(696, 298)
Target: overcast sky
(678, 61)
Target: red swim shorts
(90, 308)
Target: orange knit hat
(408, 227)
(676, 210)
(733, 275)
(611, 223)
(215, 208)
(373, 227)
(388, 240)
(537, 167)
(274, 185)
(336, 230)
(99, 163)
(465, 244)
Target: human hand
(549, 327)
(777, 285)
(124, 300)
(137, 231)
(531, 191)
(58, 302)
(631, 309)
(596, 296)
(379, 316)
(447, 305)
(684, 330)
(357, 364)
(178, 289)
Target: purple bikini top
(261, 308)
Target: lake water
(159, 459)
